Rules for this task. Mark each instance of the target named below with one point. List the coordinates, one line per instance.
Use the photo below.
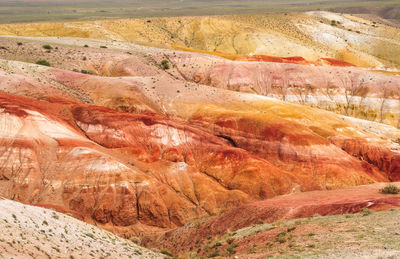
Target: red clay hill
(139, 149)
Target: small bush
(43, 62)
(165, 64)
(90, 235)
(281, 237)
(136, 240)
(166, 252)
(47, 47)
(86, 72)
(19, 43)
(214, 254)
(291, 229)
(230, 240)
(84, 58)
(251, 251)
(366, 212)
(86, 46)
(231, 249)
(390, 189)
(216, 244)
(103, 47)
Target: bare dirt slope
(267, 228)
(347, 90)
(310, 35)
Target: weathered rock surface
(351, 91)
(138, 149)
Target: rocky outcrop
(382, 157)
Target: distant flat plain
(14, 11)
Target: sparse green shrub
(103, 47)
(390, 189)
(86, 46)
(43, 62)
(281, 237)
(48, 47)
(251, 251)
(19, 43)
(84, 58)
(231, 249)
(366, 212)
(45, 223)
(86, 72)
(216, 245)
(90, 235)
(165, 64)
(333, 23)
(291, 229)
(214, 254)
(230, 240)
(166, 252)
(136, 240)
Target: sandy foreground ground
(33, 232)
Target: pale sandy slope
(310, 35)
(33, 232)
